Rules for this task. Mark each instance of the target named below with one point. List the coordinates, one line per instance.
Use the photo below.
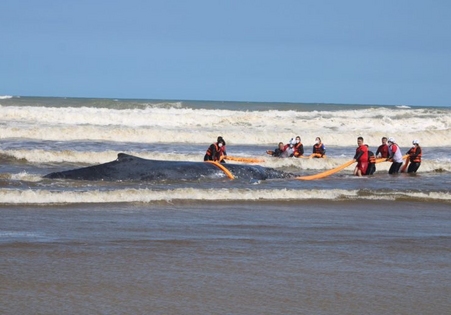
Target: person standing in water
(361, 156)
(382, 150)
(371, 162)
(415, 154)
(395, 155)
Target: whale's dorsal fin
(124, 157)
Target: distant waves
(174, 123)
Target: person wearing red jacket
(382, 151)
(361, 156)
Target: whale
(132, 168)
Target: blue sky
(354, 52)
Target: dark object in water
(131, 168)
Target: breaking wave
(46, 197)
(180, 125)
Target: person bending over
(216, 151)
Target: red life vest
(364, 153)
(218, 152)
(371, 157)
(317, 148)
(296, 149)
(412, 152)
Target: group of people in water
(295, 148)
(390, 151)
(366, 159)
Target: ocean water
(339, 245)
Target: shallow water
(340, 245)
(235, 258)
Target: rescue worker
(216, 151)
(318, 148)
(382, 150)
(289, 148)
(279, 152)
(395, 155)
(361, 156)
(415, 154)
(298, 148)
(371, 163)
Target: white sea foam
(199, 126)
(5, 97)
(46, 197)
(24, 176)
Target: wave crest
(46, 197)
(185, 125)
